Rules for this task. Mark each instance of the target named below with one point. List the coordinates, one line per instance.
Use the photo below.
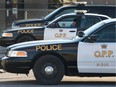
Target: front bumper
(16, 65)
(1, 64)
(2, 53)
(6, 41)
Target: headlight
(17, 54)
(7, 35)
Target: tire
(25, 38)
(48, 70)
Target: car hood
(40, 42)
(24, 28)
(28, 20)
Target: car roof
(110, 20)
(89, 6)
(91, 14)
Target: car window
(88, 21)
(107, 34)
(66, 22)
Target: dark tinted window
(107, 34)
(89, 21)
(66, 22)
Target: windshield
(53, 21)
(49, 15)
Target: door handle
(72, 31)
(61, 30)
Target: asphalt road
(14, 80)
(64, 84)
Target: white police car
(59, 28)
(94, 55)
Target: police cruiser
(59, 28)
(94, 55)
(100, 9)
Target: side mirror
(81, 34)
(92, 39)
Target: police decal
(49, 47)
(33, 24)
(105, 53)
(26, 31)
(60, 35)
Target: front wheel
(48, 70)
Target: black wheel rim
(49, 70)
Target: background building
(11, 10)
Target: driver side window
(66, 22)
(106, 34)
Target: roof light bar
(80, 11)
(80, 3)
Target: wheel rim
(49, 71)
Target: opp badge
(105, 52)
(60, 35)
(49, 47)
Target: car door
(99, 56)
(61, 29)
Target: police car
(94, 55)
(100, 9)
(59, 28)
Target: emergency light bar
(80, 3)
(80, 11)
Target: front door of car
(99, 56)
(61, 29)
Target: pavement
(18, 77)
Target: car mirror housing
(81, 34)
(92, 38)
